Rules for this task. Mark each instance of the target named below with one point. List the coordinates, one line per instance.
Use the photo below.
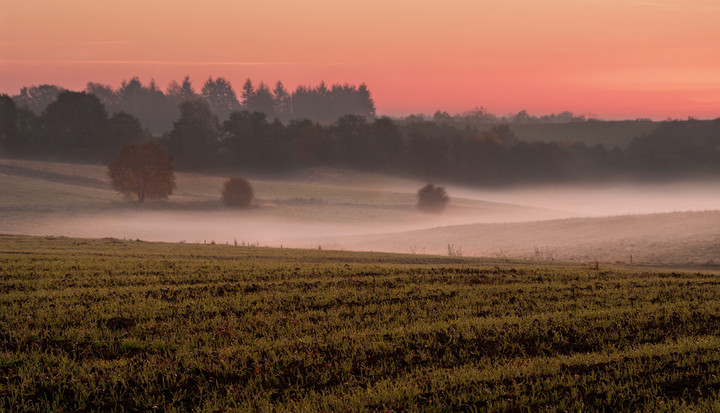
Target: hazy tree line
(674, 150)
(77, 126)
(481, 115)
(157, 110)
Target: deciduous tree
(237, 192)
(432, 199)
(75, 126)
(193, 142)
(37, 98)
(8, 125)
(143, 170)
(105, 93)
(147, 103)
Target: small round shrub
(237, 192)
(432, 199)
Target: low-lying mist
(342, 210)
(608, 199)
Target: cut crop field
(110, 325)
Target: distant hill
(608, 133)
(50, 198)
(344, 209)
(671, 238)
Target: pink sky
(608, 58)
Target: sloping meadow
(122, 325)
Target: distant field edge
(12, 244)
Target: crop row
(112, 325)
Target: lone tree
(237, 192)
(432, 199)
(143, 170)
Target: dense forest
(274, 131)
(157, 110)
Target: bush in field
(237, 192)
(143, 170)
(432, 199)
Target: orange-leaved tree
(143, 170)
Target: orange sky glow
(613, 59)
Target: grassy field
(118, 325)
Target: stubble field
(108, 324)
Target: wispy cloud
(87, 43)
(674, 5)
(708, 98)
(656, 5)
(163, 62)
(663, 5)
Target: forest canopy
(157, 109)
(273, 130)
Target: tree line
(479, 114)
(157, 110)
(76, 126)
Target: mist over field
(396, 206)
(574, 164)
(609, 199)
(672, 223)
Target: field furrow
(89, 325)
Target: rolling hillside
(43, 198)
(340, 209)
(671, 238)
